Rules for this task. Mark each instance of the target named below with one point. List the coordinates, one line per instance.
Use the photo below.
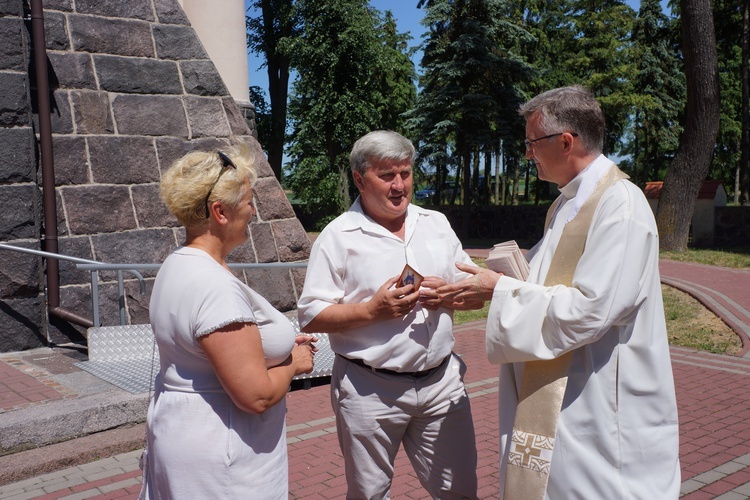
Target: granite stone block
(271, 200)
(177, 42)
(136, 9)
(275, 285)
(98, 209)
(263, 242)
(137, 75)
(55, 31)
(18, 220)
(61, 117)
(91, 112)
(170, 12)
(17, 145)
(291, 240)
(23, 320)
(102, 35)
(20, 273)
(12, 51)
(261, 162)
(149, 246)
(153, 115)
(74, 246)
(298, 280)
(11, 8)
(150, 115)
(123, 160)
(14, 111)
(202, 78)
(137, 303)
(71, 165)
(236, 117)
(63, 5)
(243, 254)
(72, 70)
(206, 117)
(150, 210)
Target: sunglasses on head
(225, 162)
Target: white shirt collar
(361, 221)
(581, 187)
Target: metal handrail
(94, 267)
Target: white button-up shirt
(354, 256)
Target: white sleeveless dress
(200, 445)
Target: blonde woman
(216, 424)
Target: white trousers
(431, 416)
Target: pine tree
(659, 95)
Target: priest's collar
(583, 184)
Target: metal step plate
(127, 356)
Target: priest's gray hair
(569, 109)
(380, 145)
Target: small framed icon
(409, 277)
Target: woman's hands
(303, 353)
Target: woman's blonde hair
(186, 184)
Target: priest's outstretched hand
(472, 292)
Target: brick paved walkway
(712, 396)
(21, 384)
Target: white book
(507, 258)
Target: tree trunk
(516, 177)
(498, 160)
(486, 189)
(278, 84)
(694, 154)
(745, 141)
(636, 151)
(466, 192)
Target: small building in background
(711, 195)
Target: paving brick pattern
(21, 385)
(712, 396)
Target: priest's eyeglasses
(225, 162)
(529, 143)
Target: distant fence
(731, 226)
(523, 223)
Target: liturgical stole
(543, 383)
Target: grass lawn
(689, 323)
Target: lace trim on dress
(241, 319)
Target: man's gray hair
(380, 145)
(569, 109)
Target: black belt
(420, 374)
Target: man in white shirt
(395, 378)
(591, 306)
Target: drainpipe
(48, 170)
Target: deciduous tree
(353, 76)
(693, 158)
(270, 34)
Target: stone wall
(132, 89)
